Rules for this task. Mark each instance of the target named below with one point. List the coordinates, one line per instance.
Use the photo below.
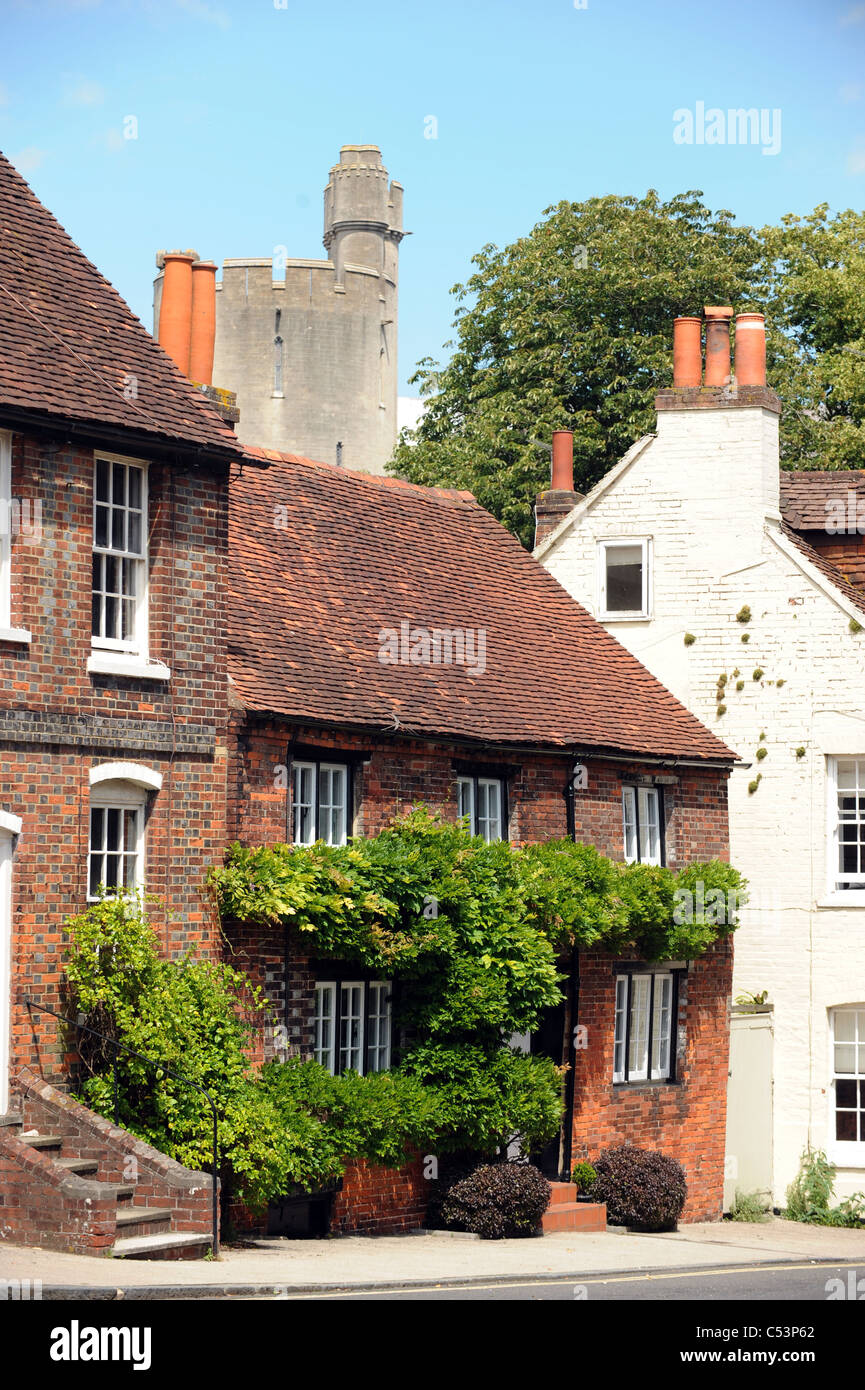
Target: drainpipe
(571, 1080)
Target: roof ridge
(360, 475)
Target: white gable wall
(705, 490)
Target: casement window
(644, 1028)
(642, 817)
(118, 804)
(319, 809)
(5, 528)
(624, 579)
(353, 1025)
(848, 1080)
(846, 826)
(119, 617)
(482, 801)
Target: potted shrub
(644, 1190)
(583, 1177)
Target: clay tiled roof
(805, 494)
(69, 345)
(829, 570)
(323, 559)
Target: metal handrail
(117, 1045)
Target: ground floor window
(848, 1051)
(320, 808)
(645, 1009)
(481, 800)
(353, 1025)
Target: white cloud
(28, 159)
(854, 16)
(850, 92)
(83, 92)
(856, 157)
(408, 412)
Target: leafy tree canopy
(571, 328)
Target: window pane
(849, 1080)
(650, 834)
(629, 815)
(619, 1034)
(304, 803)
(662, 1026)
(332, 785)
(102, 492)
(639, 1040)
(465, 800)
(118, 484)
(624, 578)
(379, 1024)
(135, 492)
(324, 1011)
(850, 825)
(100, 526)
(489, 809)
(351, 1027)
(118, 529)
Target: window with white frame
(848, 1080)
(847, 824)
(481, 800)
(115, 855)
(643, 825)
(624, 578)
(119, 590)
(643, 1040)
(319, 809)
(353, 1025)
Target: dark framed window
(482, 800)
(643, 824)
(645, 1026)
(353, 1025)
(320, 801)
(848, 1079)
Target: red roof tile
(805, 494)
(69, 344)
(323, 559)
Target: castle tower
(310, 346)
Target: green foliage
(744, 614)
(800, 751)
(547, 338)
(762, 753)
(749, 1206)
(810, 1192)
(757, 673)
(854, 626)
(754, 783)
(689, 639)
(583, 1176)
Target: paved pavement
(364, 1262)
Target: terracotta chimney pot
(717, 344)
(687, 351)
(563, 461)
(750, 350)
(175, 312)
(203, 326)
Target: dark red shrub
(643, 1189)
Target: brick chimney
(719, 386)
(554, 505)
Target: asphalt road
(793, 1283)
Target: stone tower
(310, 346)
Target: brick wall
(380, 1201)
(57, 721)
(684, 1118)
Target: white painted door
(5, 963)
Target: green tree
(570, 328)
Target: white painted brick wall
(706, 491)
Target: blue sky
(241, 109)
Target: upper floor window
(353, 1025)
(320, 803)
(848, 1076)
(119, 555)
(624, 579)
(847, 824)
(5, 528)
(643, 825)
(482, 801)
(643, 1044)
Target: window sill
(625, 618)
(107, 663)
(15, 634)
(854, 898)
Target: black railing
(154, 1062)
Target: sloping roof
(321, 560)
(69, 344)
(851, 592)
(805, 494)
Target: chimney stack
(717, 344)
(175, 313)
(554, 505)
(750, 350)
(203, 322)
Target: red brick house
(113, 709)
(389, 645)
(385, 645)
